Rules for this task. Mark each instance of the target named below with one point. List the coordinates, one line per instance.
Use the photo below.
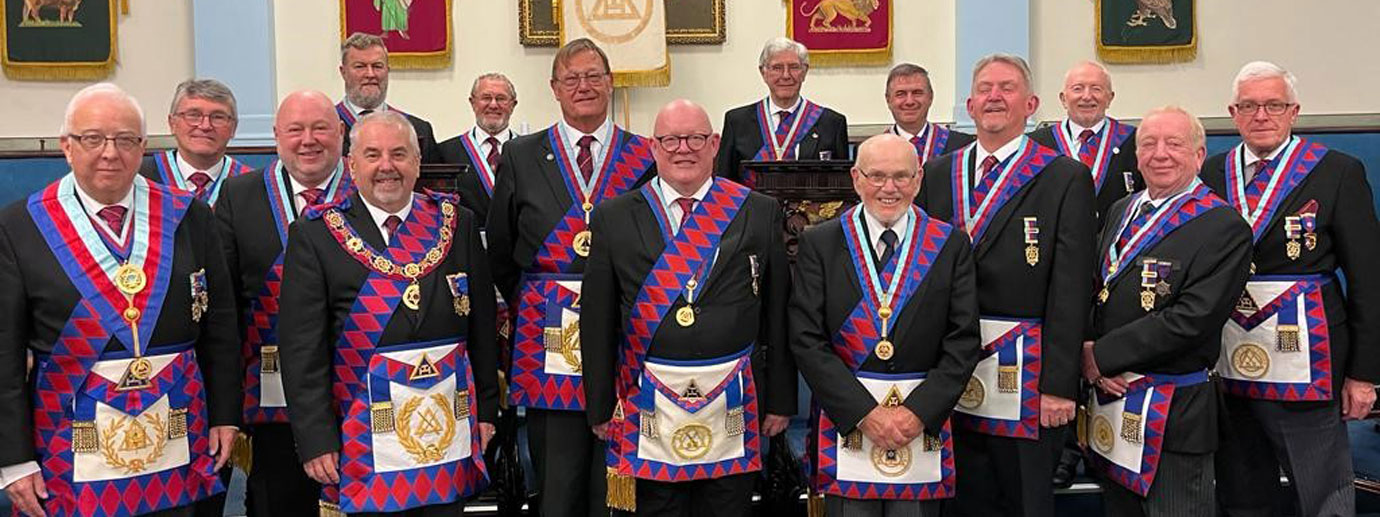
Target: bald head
(685, 146)
(886, 177)
(309, 136)
(682, 112)
(885, 146)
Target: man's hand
(1055, 411)
(602, 430)
(1357, 399)
(26, 493)
(774, 424)
(223, 443)
(486, 434)
(323, 469)
(1090, 371)
(1113, 385)
(887, 427)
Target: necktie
(364, 113)
(114, 217)
(687, 205)
(1142, 215)
(919, 148)
(311, 196)
(1259, 180)
(783, 127)
(390, 226)
(200, 180)
(989, 164)
(1086, 145)
(888, 239)
(492, 158)
(585, 159)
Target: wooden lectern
(441, 177)
(810, 192)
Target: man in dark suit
(254, 207)
(203, 120)
(493, 98)
(1029, 213)
(722, 322)
(1311, 214)
(798, 129)
(909, 95)
(387, 338)
(116, 286)
(1103, 144)
(1174, 258)
(538, 242)
(886, 453)
(364, 68)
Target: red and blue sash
(931, 141)
(1150, 419)
(780, 140)
(627, 159)
(62, 376)
(170, 175)
(1106, 142)
(349, 117)
(1290, 168)
(429, 229)
(974, 205)
(1144, 235)
(481, 163)
(262, 320)
(685, 253)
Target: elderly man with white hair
(1298, 354)
(124, 300)
(784, 125)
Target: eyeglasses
(879, 179)
(194, 118)
(595, 79)
(96, 141)
(1272, 107)
(494, 99)
(671, 143)
(780, 69)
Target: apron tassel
(331, 510)
(622, 494)
(242, 455)
(814, 504)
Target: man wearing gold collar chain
(117, 287)
(1172, 261)
(884, 325)
(386, 338)
(687, 369)
(1299, 353)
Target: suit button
(890, 366)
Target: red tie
(200, 180)
(687, 205)
(1259, 180)
(492, 158)
(311, 196)
(585, 159)
(390, 225)
(114, 217)
(988, 165)
(919, 149)
(1085, 148)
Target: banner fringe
(1154, 55)
(57, 70)
(659, 77)
(845, 59)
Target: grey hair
(781, 44)
(361, 41)
(107, 90)
(208, 89)
(1094, 64)
(906, 70)
(1196, 134)
(1265, 70)
(393, 118)
(494, 76)
(1010, 59)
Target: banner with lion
(842, 32)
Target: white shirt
(1253, 161)
(354, 110)
(670, 195)
(1002, 153)
(481, 140)
(94, 207)
(1075, 130)
(875, 229)
(776, 110)
(571, 138)
(187, 170)
(298, 189)
(896, 128)
(380, 215)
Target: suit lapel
(555, 177)
(999, 220)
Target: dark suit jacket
(530, 198)
(38, 299)
(1058, 288)
(1114, 184)
(249, 235)
(472, 193)
(627, 242)
(957, 140)
(426, 138)
(742, 138)
(1347, 239)
(935, 332)
(1183, 334)
(320, 285)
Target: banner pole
(627, 110)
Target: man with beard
(253, 209)
(364, 68)
(538, 243)
(909, 95)
(1299, 354)
(1030, 216)
(203, 120)
(388, 338)
(785, 125)
(493, 98)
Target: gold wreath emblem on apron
(134, 437)
(692, 441)
(435, 419)
(570, 346)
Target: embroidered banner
(631, 32)
(842, 32)
(1146, 31)
(418, 34)
(59, 40)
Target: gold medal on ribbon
(581, 243)
(1032, 255)
(130, 279)
(1147, 300)
(685, 316)
(1293, 249)
(412, 296)
(885, 350)
(1103, 295)
(1310, 240)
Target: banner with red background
(842, 32)
(416, 32)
